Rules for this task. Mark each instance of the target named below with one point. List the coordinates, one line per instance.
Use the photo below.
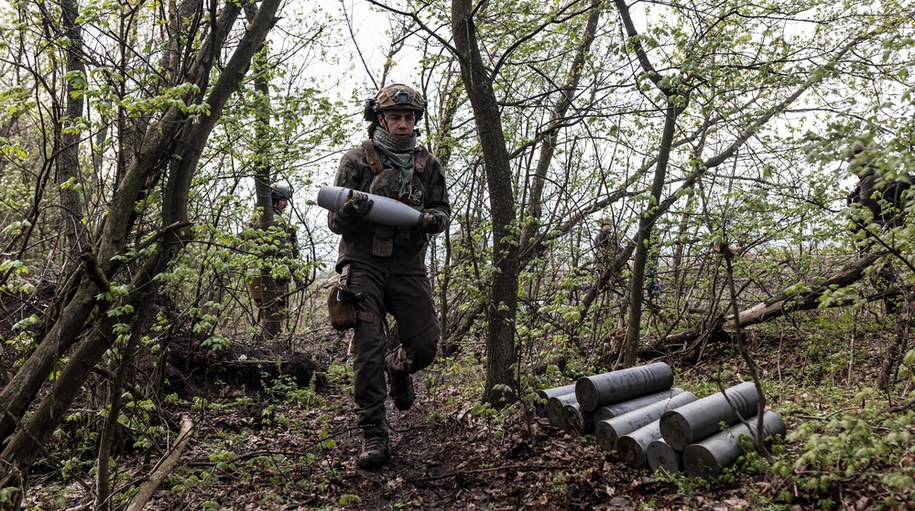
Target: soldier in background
(885, 205)
(884, 198)
(279, 246)
(606, 250)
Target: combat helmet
(396, 96)
(280, 190)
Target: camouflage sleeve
(293, 243)
(866, 194)
(349, 175)
(437, 192)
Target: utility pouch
(341, 303)
(383, 242)
(255, 289)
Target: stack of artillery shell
(700, 419)
(610, 429)
(639, 403)
(661, 442)
(546, 394)
(585, 423)
(659, 455)
(556, 409)
(592, 392)
(708, 457)
(630, 433)
(576, 407)
(578, 421)
(610, 394)
(696, 428)
(649, 423)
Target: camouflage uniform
(387, 266)
(280, 248)
(886, 205)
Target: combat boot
(401, 389)
(374, 448)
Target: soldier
(386, 265)
(605, 239)
(885, 203)
(886, 196)
(284, 247)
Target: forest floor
(285, 447)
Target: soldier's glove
(356, 206)
(433, 221)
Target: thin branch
(352, 35)
(415, 17)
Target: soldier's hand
(356, 205)
(433, 221)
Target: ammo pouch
(383, 242)
(341, 308)
(341, 303)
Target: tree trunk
(898, 346)
(66, 326)
(676, 103)
(677, 100)
(501, 353)
(643, 239)
(21, 390)
(443, 150)
(26, 444)
(270, 313)
(28, 441)
(68, 161)
(110, 424)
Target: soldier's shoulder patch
(416, 196)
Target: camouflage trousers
(409, 299)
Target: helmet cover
(396, 96)
(280, 191)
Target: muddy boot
(401, 389)
(374, 448)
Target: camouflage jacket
(885, 200)
(392, 250)
(278, 244)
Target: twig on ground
(164, 468)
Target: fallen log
(777, 306)
(252, 370)
(260, 373)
